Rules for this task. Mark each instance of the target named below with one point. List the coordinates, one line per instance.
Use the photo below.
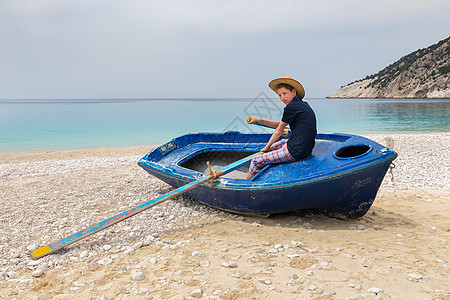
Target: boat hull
(347, 192)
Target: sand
(184, 250)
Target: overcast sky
(148, 49)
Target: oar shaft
(115, 219)
(134, 211)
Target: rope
(392, 167)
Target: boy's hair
(284, 85)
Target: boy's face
(286, 95)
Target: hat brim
(290, 81)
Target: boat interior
(186, 154)
(217, 160)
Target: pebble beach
(184, 250)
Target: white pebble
(375, 290)
(78, 284)
(153, 260)
(24, 282)
(328, 294)
(107, 247)
(33, 263)
(197, 293)
(37, 273)
(168, 241)
(12, 274)
(32, 247)
(138, 276)
(138, 245)
(231, 264)
(414, 277)
(195, 253)
(178, 272)
(92, 266)
(128, 251)
(105, 261)
(84, 254)
(148, 239)
(311, 250)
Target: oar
(50, 248)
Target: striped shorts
(278, 154)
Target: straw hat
(288, 80)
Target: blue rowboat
(340, 178)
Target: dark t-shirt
(302, 121)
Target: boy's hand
(265, 149)
(253, 120)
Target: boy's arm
(270, 123)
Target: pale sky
(186, 49)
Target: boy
(302, 122)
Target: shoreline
(115, 150)
(68, 154)
(182, 249)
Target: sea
(68, 124)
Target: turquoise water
(48, 125)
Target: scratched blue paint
(337, 186)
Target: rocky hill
(424, 73)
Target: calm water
(45, 125)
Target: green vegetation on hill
(421, 65)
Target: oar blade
(42, 251)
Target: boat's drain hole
(352, 151)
